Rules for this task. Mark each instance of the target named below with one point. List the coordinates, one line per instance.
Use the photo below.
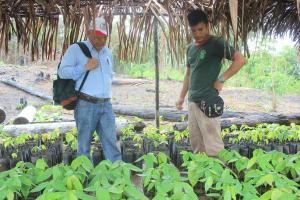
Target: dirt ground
(40, 75)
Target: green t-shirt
(205, 65)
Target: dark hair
(197, 16)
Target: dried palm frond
(35, 23)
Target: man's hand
(179, 103)
(91, 64)
(218, 85)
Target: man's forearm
(238, 62)
(71, 72)
(185, 86)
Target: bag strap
(88, 54)
(84, 49)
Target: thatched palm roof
(35, 22)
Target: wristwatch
(221, 79)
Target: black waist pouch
(212, 109)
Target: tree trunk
(15, 130)
(26, 115)
(228, 118)
(147, 113)
(250, 119)
(31, 91)
(129, 81)
(2, 115)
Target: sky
(277, 44)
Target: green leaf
(269, 179)
(56, 172)
(83, 196)
(194, 177)
(241, 164)
(10, 195)
(177, 196)
(3, 175)
(251, 162)
(276, 194)
(45, 175)
(59, 185)
(71, 195)
(87, 165)
(76, 183)
(266, 195)
(115, 190)
(41, 164)
(133, 168)
(213, 195)
(162, 158)
(297, 169)
(52, 196)
(151, 185)
(25, 180)
(77, 162)
(25, 191)
(280, 167)
(149, 159)
(40, 187)
(102, 194)
(136, 194)
(208, 183)
(147, 179)
(69, 183)
(159, 197)
(227, 195)
(165, 187)
(16, 182)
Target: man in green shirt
(204, 82)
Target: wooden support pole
(156, 72)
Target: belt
(91, 99)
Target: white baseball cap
(100, 26)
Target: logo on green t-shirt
(202, 54)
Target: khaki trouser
(205, 132)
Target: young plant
(151, 133)
(21, 139)
(210, 173)
(181, 135)
(113, 181)
(38, 149)
(71, 140)
(8, 142)
(127, 132)
(139, 141)
(14, 155)
(15, 183)
(48, 113)
(164, 180)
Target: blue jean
(97, 117)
